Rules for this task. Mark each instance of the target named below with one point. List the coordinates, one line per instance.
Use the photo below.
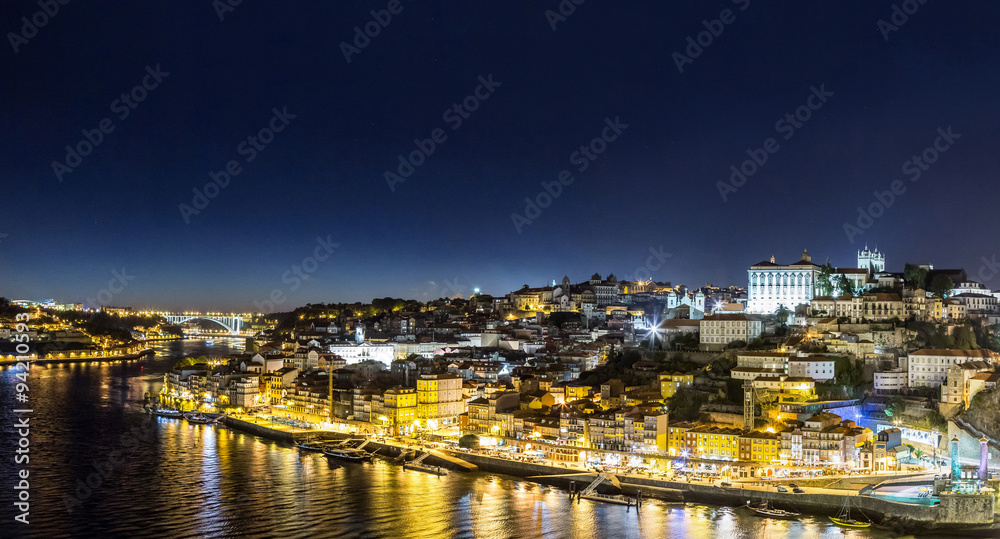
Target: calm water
(200, 481)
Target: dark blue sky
(448, 227)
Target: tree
(941, 285)
(781, 315)
(845, 285)
(736, 344)
(914, 275)
(469, 441)
(896, 406)
(823, 279)
(685, 405)
(965, 339)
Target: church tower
(873, 261)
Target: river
(174, 479)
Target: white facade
(890, 382)
(771, 285)
(720, 330)
(929, 367)
(777, 361)
(356, 353)
(820, 369)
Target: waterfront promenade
(953, 511)
(81, 357)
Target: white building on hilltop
(772, 284)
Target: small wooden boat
(765, 509)
(436, 470)
(851, 523)
(163, 412)
(310, 446)
(354, 455)
(844, 518)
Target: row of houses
(823, 439)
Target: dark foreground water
(166, 478)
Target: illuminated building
(759, 446)
(439, 399)
(719, 330)
(670, 382)
(929, 367)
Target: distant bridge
(233, 322)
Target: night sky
(448, 227)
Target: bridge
(232, 322)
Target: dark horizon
(821, 109)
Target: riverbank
(956, 511)
(5, 362)
(386, 448)
(969, 513)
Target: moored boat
(343, 453)
(765, 509)
(844, 518)
(200, 419)
(851, 523)
(163, 412)
(311, 446)
(436, 470)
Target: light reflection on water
(204, 481)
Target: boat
(163, 412)
(344, 453)
(209, 342)
(311, 446)
(765, 509)
(844, 517)
(200, 419)
(436, 470)
(607, 498)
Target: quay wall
(953, 511)
(383, 449)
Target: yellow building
(705, 441)
(400, 410)
(677, 438)
(578, 391)
(439, 400)
(670, 382)
(760, 446)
